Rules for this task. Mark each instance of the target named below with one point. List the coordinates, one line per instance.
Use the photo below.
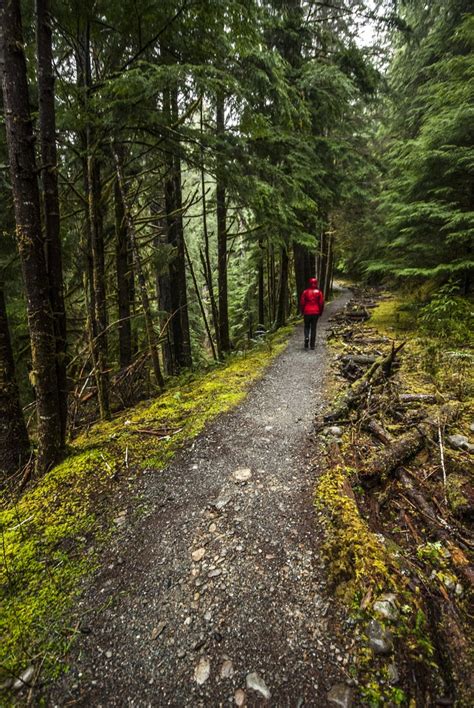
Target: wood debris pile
(411, 475)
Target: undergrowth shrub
(448, 316)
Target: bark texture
(221, 214)
(124, 279)
(282, 304)
(47, 132)
(177, 266)
(145, 300)
(14, 443)
(23, 172)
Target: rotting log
(417, 397)
(370, 340)
(384, 462)
(381, 367)
(378, 431)
(358, 359)
(438, 527)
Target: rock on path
(217, 594)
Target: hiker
(312, 306)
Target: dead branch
(406, 446)
(382, 367)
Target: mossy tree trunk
(47, 133)
(23, 172)
(14, 443)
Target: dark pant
(310, 323)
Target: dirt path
(255, 602)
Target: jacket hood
(313, 282)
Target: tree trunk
(92, 180)
(14, 443)
(201, 304)
(150, 331)
(185, 359)
(98, 276)
(271, 283)
(47, 131)
(163, 294)
(23, 171)
(329, 266)
(124, 277)
(177, 266)
(207, 260)
(261, 287)
(322, 264)
(304, 269)
(221, 214)
(282, 305)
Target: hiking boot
(306, 342)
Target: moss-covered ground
(51, 534)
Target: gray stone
(156, 631)
(202, 670)
(460, 442)
(256, 682)
(380, 639)
(221, 502)
(340, 695)
(392, 672)
(335, 430)
(242, 475)
(386, 606)
(24, 679)
(214, 573)
(227, 669)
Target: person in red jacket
(312, 306)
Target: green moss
(358, 561)
(394, 317)
(46, 533)
(454, 489)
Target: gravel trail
(215, 594)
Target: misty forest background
(173, 172)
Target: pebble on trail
(202, 670)
(198, 554)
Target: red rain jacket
(312, 299)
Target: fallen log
(378, 431)
(417, 397)
(369, 340)
(439, 527)
(381, 367)
(406, 446)
(358, 359)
